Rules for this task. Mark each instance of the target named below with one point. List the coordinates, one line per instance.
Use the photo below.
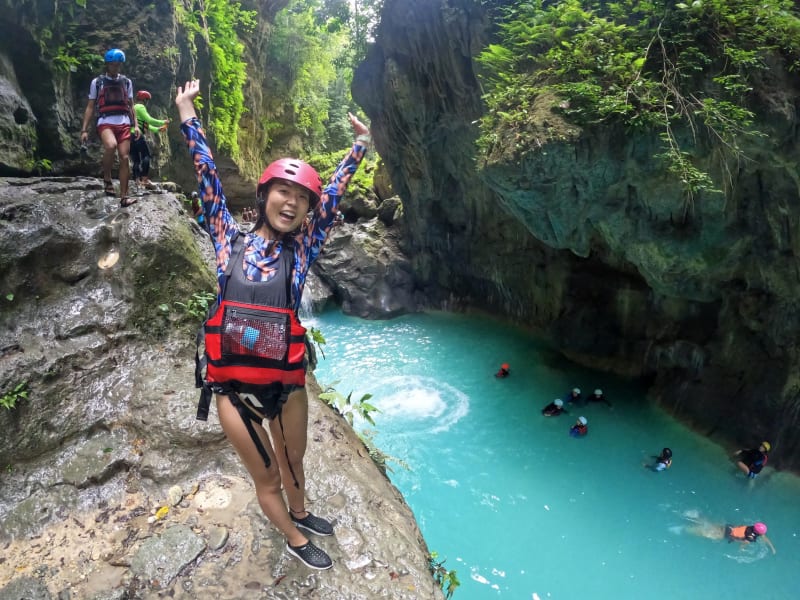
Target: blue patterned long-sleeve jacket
(260, 261)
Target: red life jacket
(250, 347)
(112, 95)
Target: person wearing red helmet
(255, 347)
(111, 96)
(140, 151)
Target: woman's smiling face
(287, 205)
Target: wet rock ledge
(110, 489)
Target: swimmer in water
(744, 534)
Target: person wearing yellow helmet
(752, 460)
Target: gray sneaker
(314, 524)
(311, 556)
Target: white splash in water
(421, 399)
(414, 403)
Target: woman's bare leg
(294, 416)
(707, 530)
(266, 480)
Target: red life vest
(112, 95)
(252, 340)
(251, 346)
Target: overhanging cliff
(586, 239)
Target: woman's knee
(269, 484)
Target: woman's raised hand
(189, 91)
(358, 127)
(184, 99)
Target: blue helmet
(115, 55)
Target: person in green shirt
(140, 152)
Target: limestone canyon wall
(585, 240)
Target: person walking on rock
(111, 96)
(140, 151)
(255, 346)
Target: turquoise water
(523, 511)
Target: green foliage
(317, 338)
(197, 306)
(76, 55)
(325, 164)
(225, 21)
(446, 579)
(172, 52)
(39, 166)
(302, 52)
(345, 406)
(60, 41)
(363, 19)
(647, 64)
(221, 23)
(19, 392)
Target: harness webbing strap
(286, 451)
(248, 419)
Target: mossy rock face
(166, 267)
(79, 276)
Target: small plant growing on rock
(445, 578)
(197, 305)
(9, 399)
(345, 406)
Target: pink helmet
(143, 95)
(296, 171)
(760, 528)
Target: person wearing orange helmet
(140, 151)
(255, 347)
(503, 371)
